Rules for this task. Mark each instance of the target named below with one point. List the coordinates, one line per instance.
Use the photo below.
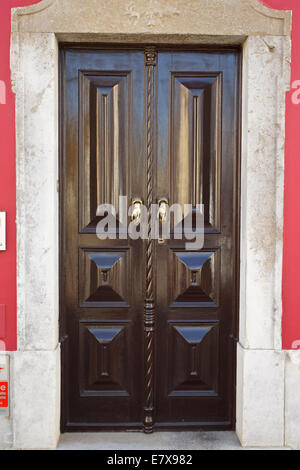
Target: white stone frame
(265, 403)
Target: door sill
(138, 427)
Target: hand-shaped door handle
(136, 211)
(163, 209)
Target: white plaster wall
(260, 401)
(265, 80)
(36, 399)
(37, 197)
(35, 373)
(6, 436)
(292, 399)
(261, 379)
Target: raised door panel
(104, 117)
(195, 142)
(193, 359)
(103, 277)
(194, 278)
(104, 357)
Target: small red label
(3, 394)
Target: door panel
(148, 326)
(194, 278)
(101, 373)
(104, 136)
(193, 358)
(197, 95)
(101, 282)
(103, 277)
(195, 135)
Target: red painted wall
(291, 286)
(291, 252)
(8, 181)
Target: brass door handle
(136, 211)
(163, 205)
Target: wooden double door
(148, 326)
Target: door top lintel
(162, 17)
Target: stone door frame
(264, 35)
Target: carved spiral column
(149, 312)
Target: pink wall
(291, 289)
(7, 187)
(7, 182)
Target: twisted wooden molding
(149, 312)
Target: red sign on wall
(3, 394)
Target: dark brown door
(148, 326)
